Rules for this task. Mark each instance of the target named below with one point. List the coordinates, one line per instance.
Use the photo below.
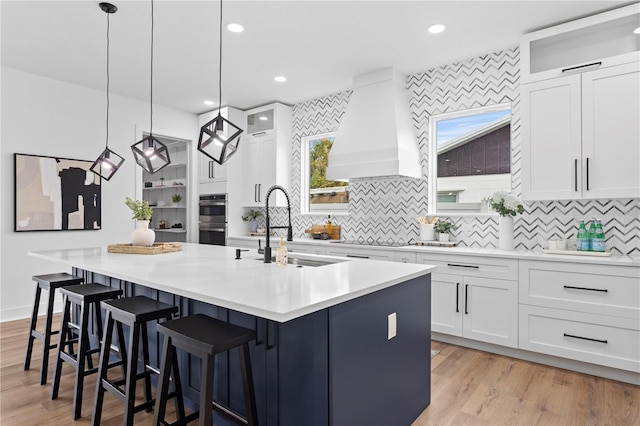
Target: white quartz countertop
(536, 254)
(212, 275)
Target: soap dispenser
(281, 254)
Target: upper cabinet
(267, 156)
(580, 131)
(210, 172)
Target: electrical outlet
(392, 326)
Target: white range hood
(376, 136)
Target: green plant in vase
(176, 198)
(443, 227)
(252, 216)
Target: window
(470, 158)
(319, 195)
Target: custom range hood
(376, 136)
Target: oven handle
(213, 229)
(212, 203)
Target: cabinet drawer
(598, 339)
(305, 248)
(360, 253)
(472, 266)
(598, 289)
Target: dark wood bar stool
(84, 297)
(134, 312)
(204, 337)
(49, 282)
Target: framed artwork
(55, 194)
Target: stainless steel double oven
(213, 219)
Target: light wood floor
(467, 387)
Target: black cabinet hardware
(587, 173)
(466, 299)
(585, 338)
(456, 265)
(258, 133)
(457, 297)
(594, 64)
(604, 290)
(575, 174)
(358, 256)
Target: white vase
(254, 225)
(142, 235)
(426, 232)
(505, 233)
(443, 237)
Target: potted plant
(507, 206)
(252, 216)
(443, 227)
(176, 198)
(142, 235)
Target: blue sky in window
(455, 127)
(314, 142)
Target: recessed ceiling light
(235, 28)
(209, 102)
(280, 78)
(636, 31)
(263, 118)
(436, 28)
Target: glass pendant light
(108, 163)
(151, 154)
(219, 138)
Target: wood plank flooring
(468, 387)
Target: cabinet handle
(466, 299)
(587, 173)
(259, 192)
(604, 290)
(358, 256)
(457, 265)
(211, 172)
(258, 133)
(585, 338)
(575, 174)
(255, 192)
(581, 67)
(255, 325)
(274, 337)
(457, 297)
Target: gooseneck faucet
(267, 248)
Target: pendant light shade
(108, 163)
(219, 138)
(151, 154)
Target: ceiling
(318, 45)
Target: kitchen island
(325, 352)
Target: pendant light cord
(220, 66)
(107, 141)
(151, 128)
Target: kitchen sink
(306, 261)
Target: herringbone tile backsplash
(386, 209)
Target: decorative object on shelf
(443, 227)
(252, 216)
(212, 142)
(437, 243)
(148, 184)
(507, 206)
(151, 154)
(163, 224)
(69, 187)
(108, 162)
(157, 248)
(427, 224)
(320, 232)
(142, 235)
(161, 181)
(176, 198)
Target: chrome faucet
(267, 249)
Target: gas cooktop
(374, 243)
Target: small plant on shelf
(443, 226)
(141, 209)
(252, 215)
(176, 198)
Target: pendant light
(219, 138)
(151, 154)
(108, 163)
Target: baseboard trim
(22, 312)
(553, 361)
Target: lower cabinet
(473, 303)
(360, 253)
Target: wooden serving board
(436, 243)
(578, 253)
(157, 248)
(335, 230)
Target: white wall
(50, 117)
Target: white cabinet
(358, 252)
(267, 154)
(584, 312)
(210, 172)
(581, 135)
(470, 298)
(294, 248)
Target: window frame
(458, 208)
(304, 179)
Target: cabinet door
(491, 311)
(611, 132)
(446, 304)
(252, 163)
(551, 146)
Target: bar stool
(84, 296)
(49, 282)
(205, 337)
(134, 312)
